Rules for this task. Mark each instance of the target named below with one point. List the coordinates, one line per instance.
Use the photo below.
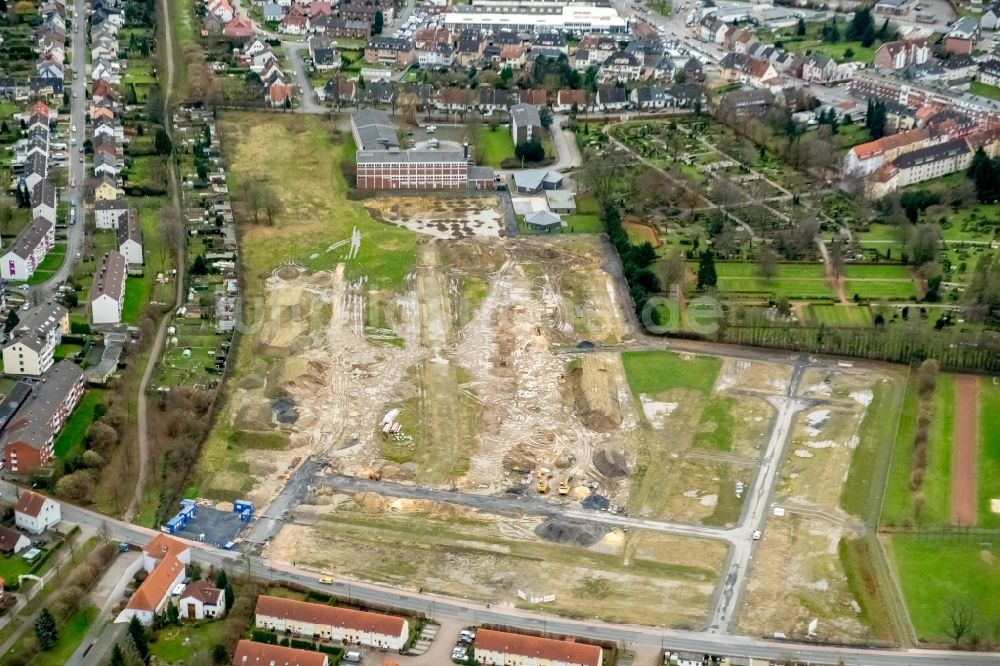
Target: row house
(920, 165)
(621, 66)
(989, 72)
(29, 434)
(30, 347)
(27, 250)
(821, 68)
(340, 27)
(330, 623)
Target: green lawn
(70, 439)
(715, 431)
(794, 288)
(136, 298)
(50, 264)
(12, 566)
(587, 218)
(984, 90)
(498, 145)
(934, 573)
(658, 371)
(170, 645)
(841, 315)
(893, 290)
(937, 481)
(897, 507)
(989, 450)
(877, 272)
(749, 269)
(71, 633)
(877, 430)
(64, 350)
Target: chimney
(465, 150)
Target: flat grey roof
(410, 156)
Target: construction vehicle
(543, 485)
(564, 487)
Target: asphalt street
(445, 608)
(77, 168)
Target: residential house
(567, 98)
(611, 98)
(492, 100)
(543, 220)
(990, 18)
(620, 66)
(342, 27)
(295, 22)
(746, 103)
(130, 239)
(525, 123)
(919, 165)
(31, 345)
(28, 249)
(30, 433)
(105, 189)
(454, 99)
(962, 36)
(436, 55)
(742, 40)
(164, 560)
(326, 59)
(272, 12)
(239, 29)
(12, 541)
(340, 91)
(43, 201)
(501, 648)
(390, 51)
(892, 7)
(989, 72)
(512, 55)
(107, 294)
(252, 653)
(865, 158)
(428, 38)
(36, 169)
(649, 98)
(899, 54)
(560, 202)
(821, 68)
(331, 623)
(535, 96)
(34, 513)
(108, 212)
(533, 181)
(106, 165)
(202, 601)
(221, 9)
(551, 40)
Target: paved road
(77, 169)
(108, 591)
(445, 609)
(307, 98)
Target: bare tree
(272, 204)
(672, 270)
(767, 262)
(960, 621)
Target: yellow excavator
(564, 487)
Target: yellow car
(326, 580)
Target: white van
(352, 657)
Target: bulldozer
(564, 487)
(543, 485)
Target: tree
(860, 23)
(45, 630)
(140, 639)
(230, 596)
(219, 654)
(101, 437)
(868, 36)
(117, 656)
(221, 580)
(707, 277)
(76, 487)
(545, 116)
(672, 270)
(530, 151)
(378, 23)
(173, 613)
(960, 620)
(162, 143)
(11, 322)
(200, 266)
(800, 28)
(985, 176)
(767, 262)
(883, 32)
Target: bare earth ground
(443, 215)
(963, 476)
(797, 575)
(639, 576)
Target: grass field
(984, 90)
(137, 291)
(656, 371)
(71, 632)
(716, 427)
(587, 219)
(498, 145)
(50, 264)
(894, 290)
(900, 502)
(70, 439)
(877, 428)
(935, 573)
(175, 644)
(989, 451)
(847, 316)
(299, 157)
(877, 272)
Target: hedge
(268, 637)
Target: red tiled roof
(249, 653)
(162, 545)
(289, 609)
(203, 591)
(539, 648)
(30, 503)
(157, 585)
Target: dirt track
(963, 468)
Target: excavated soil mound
(595, 395)
(564, 531)
(611, 463)
(521, 457)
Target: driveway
(438, 655)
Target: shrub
(262, 636)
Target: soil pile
(565, 531)
(612, 463)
